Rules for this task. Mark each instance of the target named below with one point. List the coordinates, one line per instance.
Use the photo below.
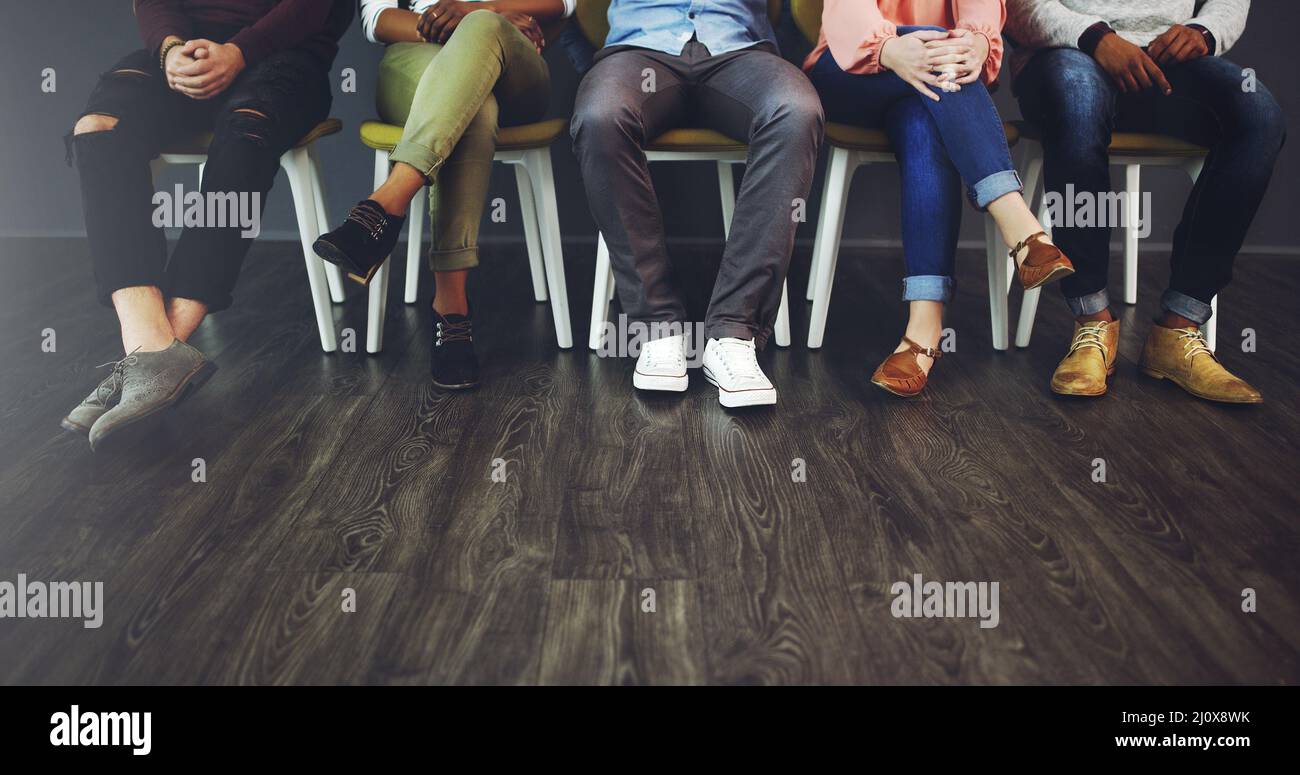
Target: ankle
(1103, 316)
(392, 204)
(1170, 320)
(451, 306)
(146, 341)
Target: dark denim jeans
(1077, 106)
(291, 92)
(939, 145)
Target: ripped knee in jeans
(94, 122)
(251, 124)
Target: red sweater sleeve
(159, 18)
(289, 23)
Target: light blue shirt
(666, 25)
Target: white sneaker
(662, 365)
(732, 366)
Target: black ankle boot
(361, 244)
(453, 363)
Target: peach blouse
(854, 30)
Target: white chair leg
(377, 298)
(202, 166)
(998, 283)
(414, 243)
(1029, 303)
(1133, 197)
(297, 167)
(819, 235)
(600, 293)
(548, 220)
(528, 211)
(727, 189)
(1212, 327)
(781, 331)
(839, 175)
(332, 271)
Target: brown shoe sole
(1104, 387)
(1057, 273)
(1161, 375)
(888, 389)
(326, 250)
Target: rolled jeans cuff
(418, 156)
(996, 185)
(1090, 304)
(1185, 306)
(927, 287)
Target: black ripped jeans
(264, 113)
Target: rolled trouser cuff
(1090, 304)
(1185, 306)
(421, 157)
(997, 185)
(927, 287)
(453, 260)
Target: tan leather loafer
(1182, 356)
(1090, 360)
(900, 373)
(1044, 262)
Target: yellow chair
(1131, 150)
(302, 166)
(681, 144)
(528, 149)
(851, 147)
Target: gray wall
(81, 38)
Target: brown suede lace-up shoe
(1182, 356)
(1091, 359)
(901, 374)
(1044, 262)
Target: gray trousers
(751, 95)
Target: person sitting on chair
(671, 63)
(919, 69)
(256, 74)
(452, 73)
(1086, 68)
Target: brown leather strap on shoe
(1024, 244)
(929, 352)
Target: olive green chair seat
(198, 144)
(384, 137)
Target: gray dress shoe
(152, 382)
(100, 400)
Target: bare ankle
(1103, 316)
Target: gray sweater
(1038, 24)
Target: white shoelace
(664, 354)
(1194, 343)
(739, 358)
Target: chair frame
(535, 178)
(302, 166)
(1032, 163)
(602, 292)
(830, 227)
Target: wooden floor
(329, 472)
